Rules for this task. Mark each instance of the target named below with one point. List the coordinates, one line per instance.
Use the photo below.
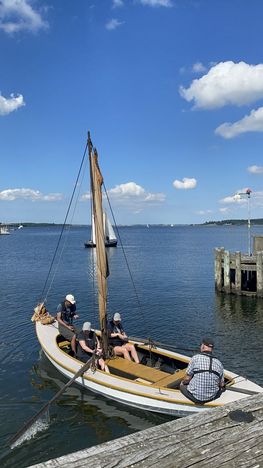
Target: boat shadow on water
(90, 407)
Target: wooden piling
(259, 274)
(226, 271)
(218, 268)
(238, 273)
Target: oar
(45, 408)
(146, 341)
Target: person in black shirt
(66, 312)
(87, 344)
(119, 340)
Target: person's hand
(124, 337)
(71, 327)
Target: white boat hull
(130, 392)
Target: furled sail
(101, 256)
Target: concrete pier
(226, 437)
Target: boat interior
(156, 368)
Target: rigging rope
(127, 264)
(63, 227)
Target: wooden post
(227, 271)
(259, 274)
(218, 268)
(238, 272)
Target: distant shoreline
(226, 222)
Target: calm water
(173, 274)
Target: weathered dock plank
(231, 436)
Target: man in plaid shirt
(204, 380)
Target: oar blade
(24, 434)
(35, 424)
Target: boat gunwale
(125, 380)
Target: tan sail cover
(102, 262)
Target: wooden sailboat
(110, 238)
(142, 385)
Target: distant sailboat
(20, 226)
(4, 230)
(109, 234)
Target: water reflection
(233, 308)
(90, 408)
(239, 328)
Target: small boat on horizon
(4, 230)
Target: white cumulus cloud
(157, 3)
(131, 193)
(226, 83)
(185, 184)
(204, 212)
(8, 105)
(198, 67)
(28, 194)
(19, 15)
(250, 123)
(134, 191)
(113, 24)
(255, 169)
(117, 3)
(128, 189)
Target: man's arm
(189, 373)
(59, 319)
(186, 379)
(85, 347)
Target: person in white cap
(87, 343)
(119, 340)
(66, 312)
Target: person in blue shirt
(66, 312)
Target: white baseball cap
(117, 317)
(70, 299)
(86, 326)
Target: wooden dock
(226, 437)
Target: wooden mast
(101, 256)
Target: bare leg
(131, 348)
(103, 366)
(122, 351)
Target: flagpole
(248, 192)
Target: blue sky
(171, 90)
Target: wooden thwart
(174, 379)
(137, 370)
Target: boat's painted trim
(114, 387)
(155, 391)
